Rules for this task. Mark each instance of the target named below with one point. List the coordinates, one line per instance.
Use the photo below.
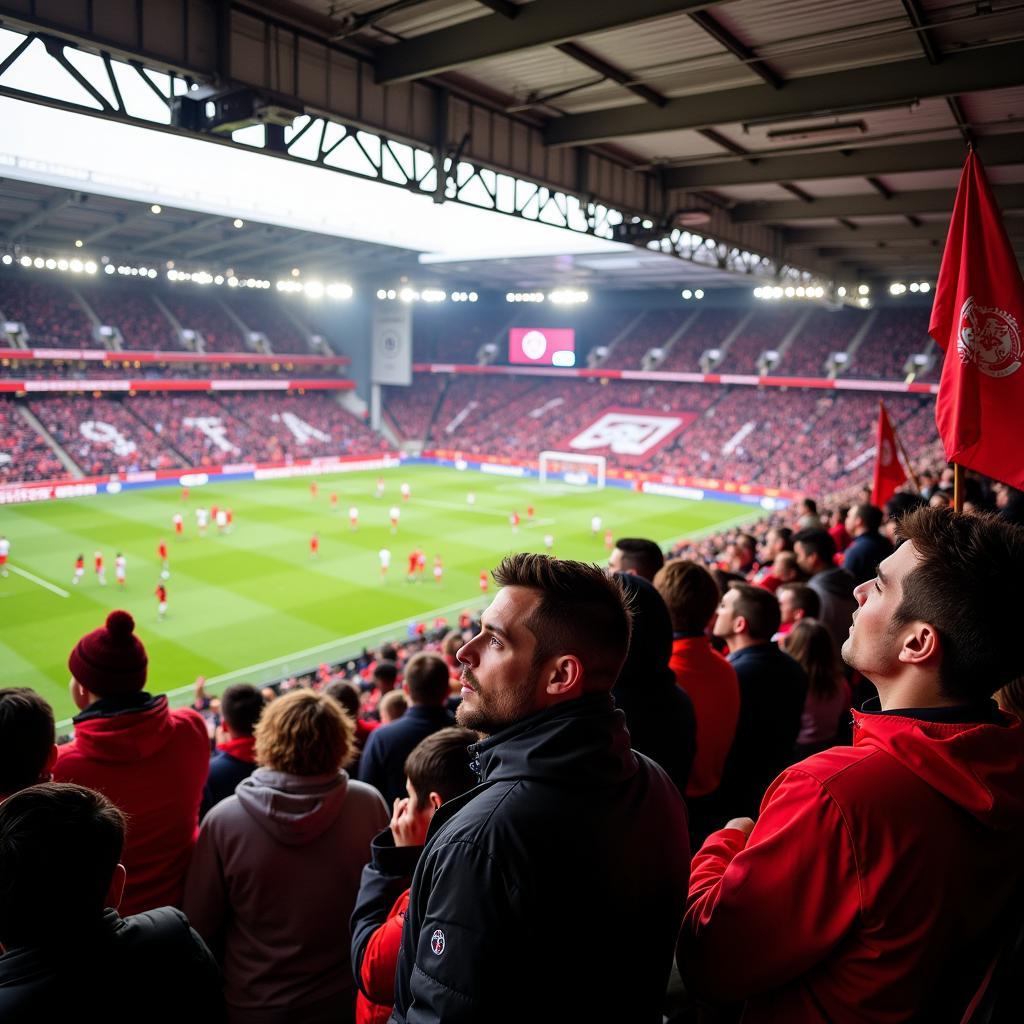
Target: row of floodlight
(771, 292)
(559, 297)
(687, 294)
(74, 266)
(430, 295)
(899, 288)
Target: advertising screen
(542, 346)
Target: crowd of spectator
(824, 332)
(896, 334)
(765, 331)
(123, 367)
(610, 724)
(24, 454)
(262, 313)
(102, 435)
(52, 315)
(411, 409)
(207, 317)
(709, 330)
(142, 324)
(652, 331)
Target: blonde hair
(304, 733)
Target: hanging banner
(392, 344)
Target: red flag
(889, 471)
(976, 319)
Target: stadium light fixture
(156, 208)
(687, 294)
(914, 286)
(339, 290)
(238, 222)
(925, 287)
(25, 261)
(473, 296)
(863, 290)
(295, 271)
(699, 294)
(79, 243)
(568, 296)
(841, 292)
(51, 264)
(8, 259)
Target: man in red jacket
(436, 770)
(150, 761)
(875, 883)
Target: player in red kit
(184, 494)
(79, 568)
(514, 520)
(313, 489)
(529, 513)
(334, 500)
(100, 572)
(214, 509)
(179, 525)
(414, 556)
(231, 517)
(483, 582)
(609, 540)
(314, 545)
(161, 600)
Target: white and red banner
(628, 433)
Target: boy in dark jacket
(437, 770)
(67, 952)
(240, 707)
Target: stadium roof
(822, 134)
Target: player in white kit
(119, 569)
(222, 520)
(595, 525)
(353, 518)
(394, 515)
(202, 518)
(406, 491)
(5, 550)
(549, 540)
(385, 560)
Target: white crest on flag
(989, 338)
(626, 433)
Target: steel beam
(940, 200)
(196, 225)
(994, 150)
(870, 234)
(898, 82)
(543, 23)
(20, 228)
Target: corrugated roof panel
(804, 37)
(999, 105)
(672, 145)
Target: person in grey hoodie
(276, 869)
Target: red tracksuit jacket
(873, 881)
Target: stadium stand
(122, 366)
(824, 332)
(51, 314)
(895, 336)
(263, 314)
(24, 454)
(198, 313)
(764, 331)
(102, 436)
(709, 330)
(142, 324)
(410, 410)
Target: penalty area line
(40, 582)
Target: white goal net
(572, 468)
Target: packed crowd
(103, 435)
(52, 316)
(765, 332)
(709, 330)
(261, 313)
(124, 367)
(659, 753)
(823, 333)
(411, 409)
(205, 315)
(142, 324)
(24, 454)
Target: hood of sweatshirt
(125, 734)
(294, 809)
(978, 766)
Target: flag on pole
(976, 318)
(889, 472)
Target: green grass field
(253, 604)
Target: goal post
(572, 468)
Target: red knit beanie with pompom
(110, 661)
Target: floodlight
(156, 208)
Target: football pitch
(253, 604)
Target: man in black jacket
(773, 688)
(66, 951)
(565, 871)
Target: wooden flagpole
(958, 487)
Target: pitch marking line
(43, 583)
(476, 511)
